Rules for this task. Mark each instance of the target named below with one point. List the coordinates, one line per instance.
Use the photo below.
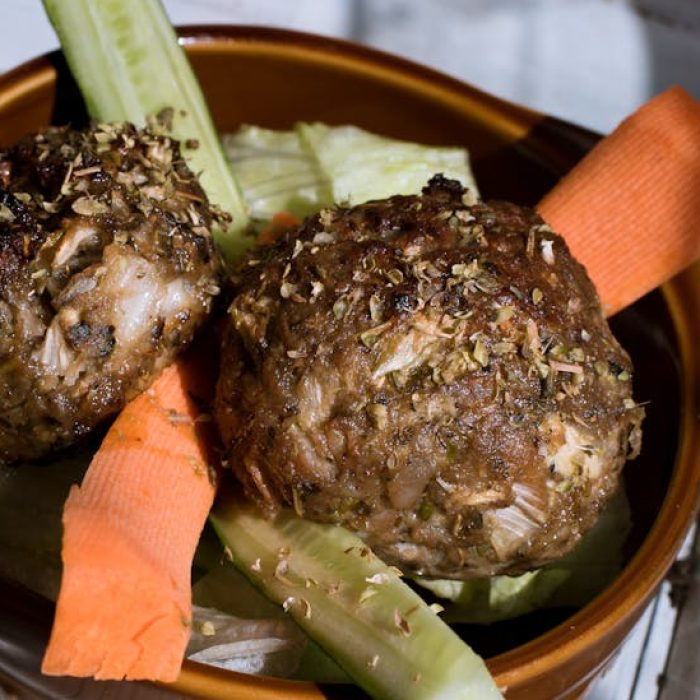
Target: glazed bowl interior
(275, 78)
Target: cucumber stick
(128, 64)
(373, 625)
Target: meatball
(107, 267)
(432, 372)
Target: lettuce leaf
(314, 166)
(361, 166)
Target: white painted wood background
(588, 61)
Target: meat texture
(107, 267)
(434, 373)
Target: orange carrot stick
(630, 211)
(278, 226)
(130, 532)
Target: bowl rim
(625, 598)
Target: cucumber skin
(126, 59)
(324, 583)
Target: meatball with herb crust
(107, 267)
(434, 373)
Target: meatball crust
(432, 372)
(107, 267)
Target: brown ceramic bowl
(274, 78)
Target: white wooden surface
(643, 659)
(588, 61)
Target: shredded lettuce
(272, 647)
(223, 588)
(275, 173)
(362, 166)
(483, 601)
(314, 166)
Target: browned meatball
(434, 373)
(107, 267)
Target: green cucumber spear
(128, 64)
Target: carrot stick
(278, 226)
(629, 211)
(130, 532)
